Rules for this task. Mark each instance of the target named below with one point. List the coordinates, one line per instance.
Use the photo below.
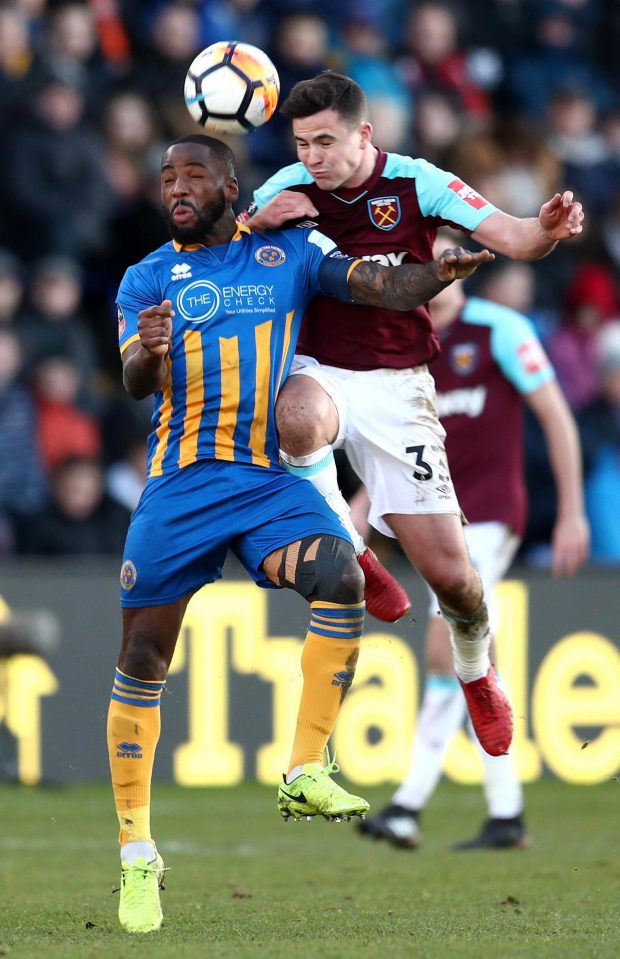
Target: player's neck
(365, 169)
(221, 232)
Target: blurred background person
(58, 200)
(80, 519)
(23, 482)
(599, 423)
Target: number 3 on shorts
(420, 464)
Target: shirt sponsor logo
(466, 193)
(466, 402)
(532, 356)
(199, 301)
(181, 271)
(386, 259)
(270, 255)
(122, 326)
(463, 358)
(384, 212)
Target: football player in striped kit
(208, 325)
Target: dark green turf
(244, 884)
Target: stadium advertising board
(235, 681)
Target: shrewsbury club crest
(384, 212)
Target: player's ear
(232, 189)
(365, 134)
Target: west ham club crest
(463, 358)
(384, 212)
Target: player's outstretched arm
(144, 367)
(409, 285)
(531, 238)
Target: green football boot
(139, 909)
(314, 793)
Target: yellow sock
(133, 731)
(328, 666)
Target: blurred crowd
(520, 98)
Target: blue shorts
(186, 521)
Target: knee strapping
(325, 568)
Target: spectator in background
(367, 60)
(301, 49)
(80, 520)
(439, 123)
(433, 59)
(11, 289)
(17, 60)
(64, 430)
(509, 160)
(556, 60)
(591, 300)
(574, 137)
(23, 485)
(174, 40)
(131, 136)
(71, 49)
(52, 322)
(600, 435)
(610, 230)
(58, 198)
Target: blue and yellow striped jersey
(238, 311)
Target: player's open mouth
(182, 213)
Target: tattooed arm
(409, 285)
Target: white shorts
(390, 431)
(492, 547)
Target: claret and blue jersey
(392, 218)
(238, 309)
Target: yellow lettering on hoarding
(26, 679)
(23, 681)
(225, 628)
(559, 705)
(373, 734)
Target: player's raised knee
(305, 416)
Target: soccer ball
(231, 87)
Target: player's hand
(570, 545)
(287, 205)
(561, 217)
(458, 264)
(155, 328)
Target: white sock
(294, 773)
(320, 468)
(470, 638)
(441, 714)
(145, 849)
(503, 791)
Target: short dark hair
(327, 91)
(219, 149)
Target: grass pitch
(242, 883)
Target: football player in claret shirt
(208, 324)
(361, 378)
(491, 366)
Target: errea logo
(181, 271)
